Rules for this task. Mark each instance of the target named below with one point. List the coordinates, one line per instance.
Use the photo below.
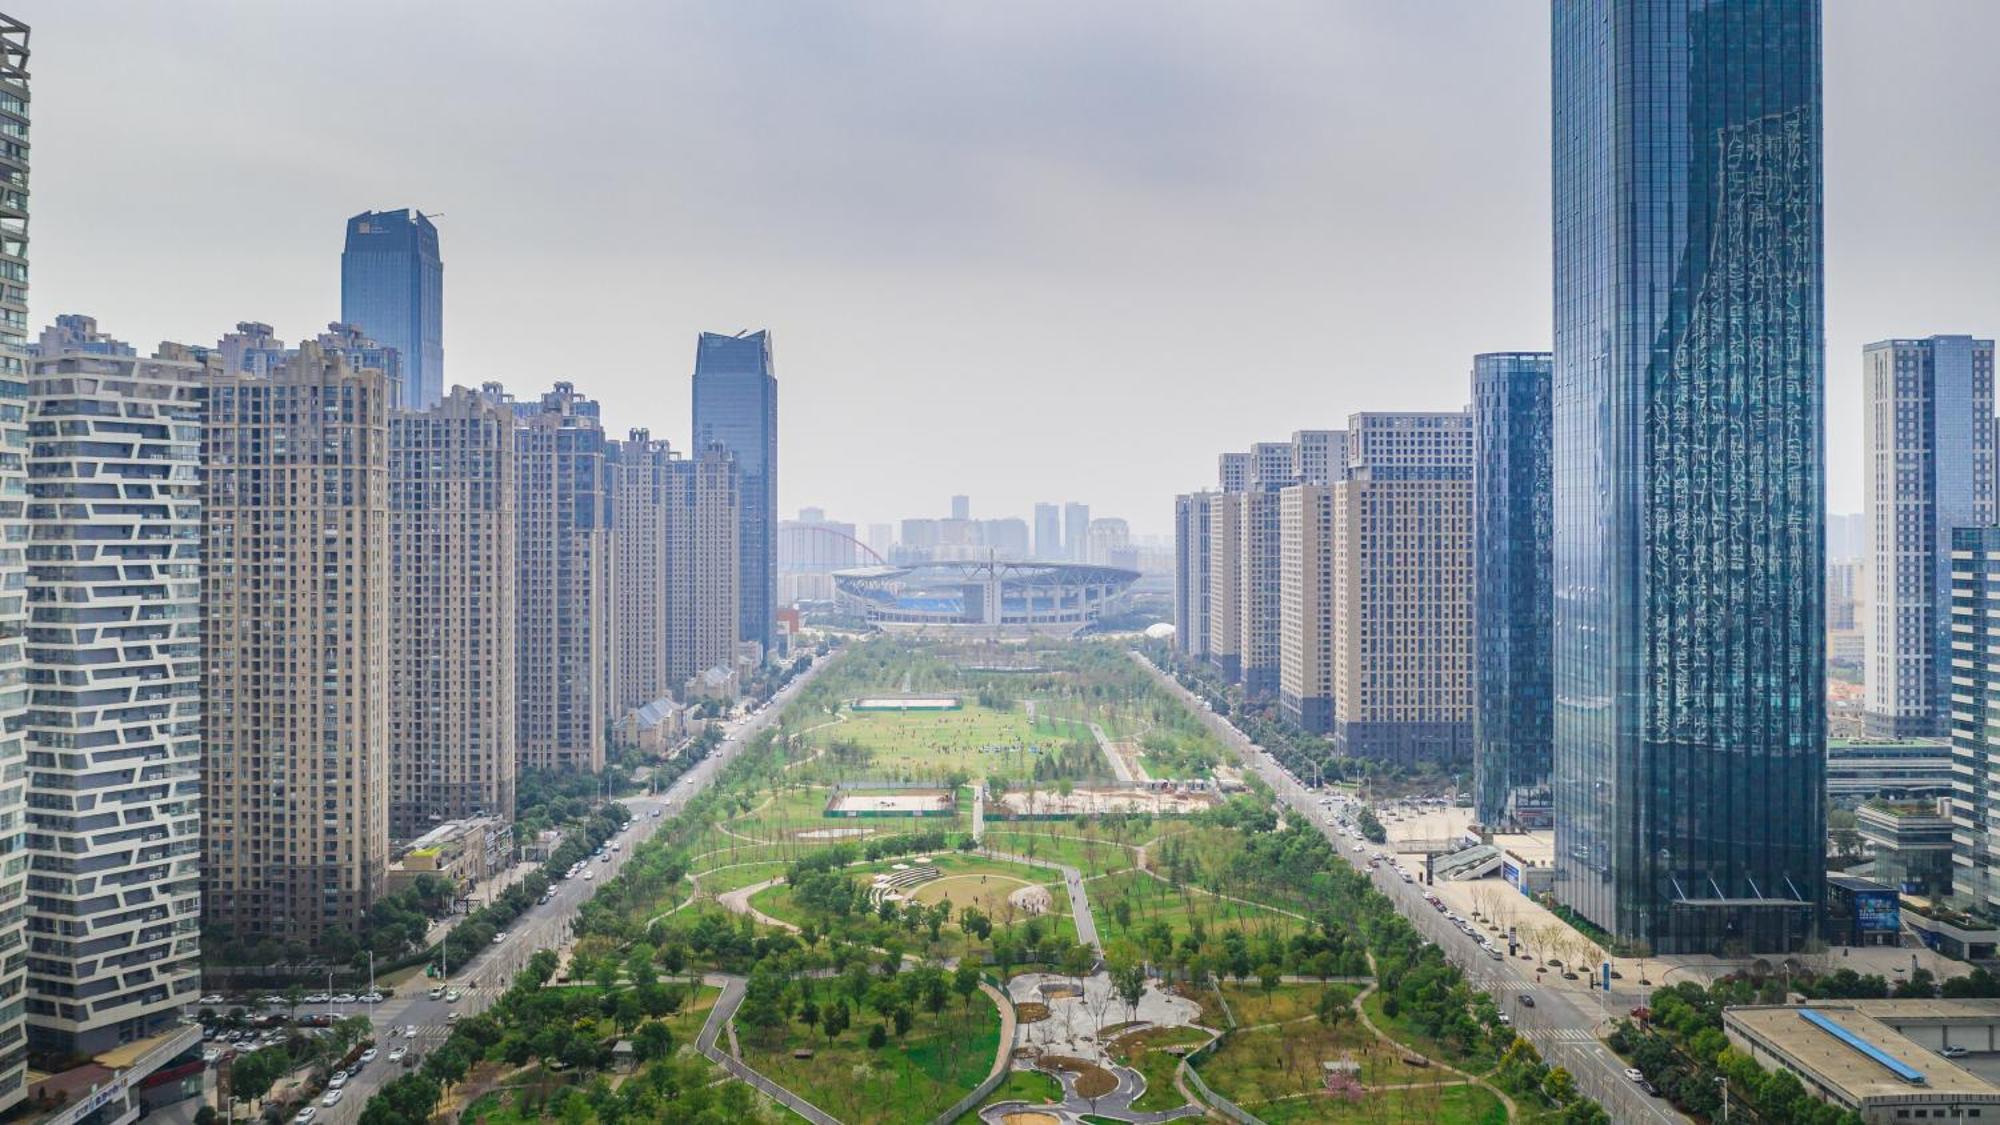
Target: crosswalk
(1558, 1035)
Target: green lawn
(1091, 852)
(1435, 1105)
(739, 875)
(1254, 1007)
(1254, 1067)
(1031, 1086)
(1399, 1027)
(967, 879)
(1147, 900)
(1145, 1052)
(913, 1078)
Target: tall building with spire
(392, 289)
(736, 407)
(1689, 371)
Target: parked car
(1954, 1052)
(1635, 1074)
(305, 1115)
(332, 1098)
(1527, 1001)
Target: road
(1559, 1025)
(544, 926)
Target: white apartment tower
(1928, 434)
(1305, 606)
(452, 559)
(114, 729)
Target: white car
(397, 1052)
(589, 875)
(368, 1056)
(211, 1000)
(305, 1115)
(338, 1080)
(409, 1031)
(1633, 1073)
(344, 998)
(451, 997)
(371, 998)
(331, 1099)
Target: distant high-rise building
(1305, 606)
(881, 538)
(1048, 533)
(452, 645)
(392, 289)
(1259, 558)
(961, 507)
(1690, 722)
(1225, 596)
(643, 495)
(1513, 699)
(736, 405)
(113, 827)
(1193, 554)
(295, 605)
(1109, 541)
(1271, 466)
(704, 563)
(254, 349)
(815, 545)
(1847, 536)
(1928, 432)
(1319, 456)
(1006, 538)
(1402, 585)
(565, 662)
(1974, 559)
(1232, 471)
(1076, 531)
(73, 334)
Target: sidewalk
(480, 895)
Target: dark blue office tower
(736, 404)
(392, 288)
(1690, 691)
(1513, 725)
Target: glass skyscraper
(736, 405)
(1689, 495)
(392, 289)
(1512, 557)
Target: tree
(833, 1021)
(965, 982)
(653, 1041)
(877, 1037)
(251, 1076)
(295, 994)
(1336, 1006)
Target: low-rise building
(1911, 841)
(1897, 769)
(1874, 1057)
(464, 851)
(655, 728)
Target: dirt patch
(1032, 899)
(835, 833)
(1092, 1081)
(1030, 1012)
(985, 890)
(1030, 1118)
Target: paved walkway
(719, 1017)
(1079, 899)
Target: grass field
(912, 1078)
(1092, 851)
(962, 884)
(1145, 1052)
(1433, 1105)
(977, 741)
(1031, 1086)
(1253, 1067)
(1253, 1006)
(1400, 1028)
(1147, 900)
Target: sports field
(974, 741)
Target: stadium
(985, 597)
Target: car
(452, 1018)
(332, 1098)
(657, 812)
(397, 1052)
(451, 997)
(212, 1000)
(1954, 1052)
(305, 1115)
(211, 1054)
(368, 1056)
(1648, 1089)
(409, 1031)
(338, 1080)
(1635, 1074)
(344, 998)
(436, 992)
(589, 875)
(1505, 1019)
(273, 1001)
(1527, 1001)
(317, 998)
(371, 998)
(605, 858)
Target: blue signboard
(1877, 912)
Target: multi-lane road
(1560, 1025)
(544, 926)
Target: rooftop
(1861, 1060)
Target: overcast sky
(1035, 250)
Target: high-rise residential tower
(1076, 531)
(1974, 561)
(13, 539)
(1305, 606)
(1319, 456)
(1232, 471)
(392, 289)
(736, 405)
(1690, 721)
(961, 507)
(1512, 699)
(295, 647)
(565, 662)
(1401, 610)
(452, 569)
(1225, 561)
(705, 565)
(114, 584)
(1193, 554)
(1259, 557)
(1927, 427)
(675, 528)
(1048, 532)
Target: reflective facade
(1512, 560)
(13, 545)
(1689, 496)
(392, 289)
(1975, 718)
(736, 406)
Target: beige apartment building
(676, 522)
(452, 750)
(295, 669)
(1305, 606)
(565, 664)
(1225, 596)
(704, 549)
(1402, 584)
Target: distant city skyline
(1237, 134)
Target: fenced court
(907, 703)
(882, 801)
(1153, 800)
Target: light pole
(1722, 1083)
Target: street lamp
(1722, 1083)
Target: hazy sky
(1036, 250)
